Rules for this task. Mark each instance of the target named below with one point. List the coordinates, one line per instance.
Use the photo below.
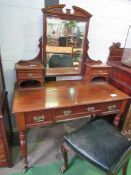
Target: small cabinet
(93, 71)
(29, 74)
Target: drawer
(2, 158)
(99, 71)
(2, 151)
(29, 74)
(71, 112)
(1, 144)
(111, 107)
(42, 117)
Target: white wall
(21, 28)
(110, 22)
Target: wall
(21, 28)
(109, 23)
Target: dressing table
(58, 101)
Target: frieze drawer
(71, 112)
(99, 71)
(30, 74)
(2, 151)
(2, 155)
(111, 108)
(39, 117)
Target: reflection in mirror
(65, 41)
(126, 57)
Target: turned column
(22, 135)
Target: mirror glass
(126, 57)
(64, 43)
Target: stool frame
(65, 149)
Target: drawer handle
(90, 109)
(112, 107)
(30, 75)
(68, 112)
(38, 119)
(110, 112)
(100, 71)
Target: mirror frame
(78, 14)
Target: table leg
(23, 146)
(119, 115)
(20, 117)
(117, 120)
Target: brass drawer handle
(100, 71)
(90, 109)
(68, 112)
(112, 107)
(110, 112)
(38, 119)
(30, 75)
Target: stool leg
(65, 156)
(125, 169)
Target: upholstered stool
(99, 143)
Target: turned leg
(125, 169)
(23, 146)
(65, 156)
(117, 120)
(20, 117)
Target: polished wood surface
(64, 93)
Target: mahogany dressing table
(64, 100)
(57, 101)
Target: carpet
(77, 166)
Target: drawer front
(71, 112)
(100, 71)
(2, 151)
(111, 107)
(42, 117)
(30, 74)
(1, 143)
(2, 154)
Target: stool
(99, 143)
